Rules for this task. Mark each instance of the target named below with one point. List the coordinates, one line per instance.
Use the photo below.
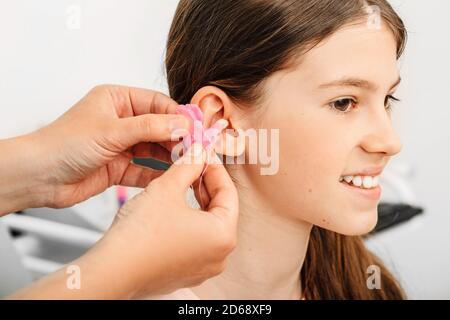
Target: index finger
(144, 101)
(130, 101)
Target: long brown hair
(235, 46)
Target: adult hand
(158, 243)
(89, 148)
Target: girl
(323, 73)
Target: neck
(267, 260)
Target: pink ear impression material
(198, 133)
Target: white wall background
(421, 251)
(47, 62)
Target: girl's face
(333, 120)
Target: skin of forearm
(105, 268)
(101, 277)
(21, 183)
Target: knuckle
(143, 126)
(154, 101)
(161, 102)
(100, 88)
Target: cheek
(308, 189)
(309, 168)
(308, 182)
(314, 155)
(311, 178)
(315, 147)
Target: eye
(343, 105)
(389, 101)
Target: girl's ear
(216, 105)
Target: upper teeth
(365, 182)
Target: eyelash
(388, 104)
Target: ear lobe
(230, 143)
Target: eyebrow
(355, 82)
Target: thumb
(183, 172)
(152, 128)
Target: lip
(373, 171)
(373, 194)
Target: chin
(361, 223)
(354, 223)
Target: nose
(381, 136)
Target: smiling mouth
(366, 187)
(361, 182)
